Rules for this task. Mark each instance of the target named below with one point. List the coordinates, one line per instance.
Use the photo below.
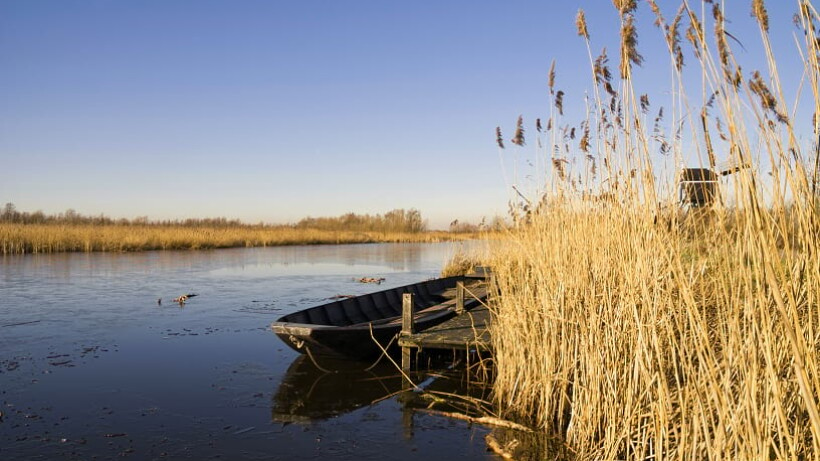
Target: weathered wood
(405, 358)
(463, 332)
(408, 325)
(459, 298)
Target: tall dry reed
(51, 238)
(636, 329)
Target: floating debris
(19, 323)
(182, 299)
(341, 297)
(376, 280)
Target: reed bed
(636, 329)
(50, 238)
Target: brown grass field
(49, 238)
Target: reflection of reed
(269, 261)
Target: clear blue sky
(273, 111)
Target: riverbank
(53, 238)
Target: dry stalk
(481, 420)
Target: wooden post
(459, 298)
(408, 326)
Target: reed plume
(518, 137)
(559, 102)
(759, 12)
(629, 46)
(625, 7)
(581, 24)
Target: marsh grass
(50, 238)
(634, 329)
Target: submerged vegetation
(636, 328)
(23, 232)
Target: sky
(273, 111)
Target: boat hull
(353, 327)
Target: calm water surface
(92, 367)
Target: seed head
(625, 6)
(559, 101)
(581, 24)
(518, 138)
(759, 12)
(644, 103)
(659, 21)
(601, 69)
(629, 46)
(498, 139)
(767, 99)
(720, 35)
(673, 38)
(584, 143)
(694, 33)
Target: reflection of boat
(307, 393)
(343, 327)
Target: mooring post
(459, 298)
(408, 326)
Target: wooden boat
(343, 327)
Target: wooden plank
(467, 331)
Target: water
(92, 367)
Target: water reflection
(312, 391)
(307, 393)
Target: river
(93, 366)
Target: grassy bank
(634, 329)
(49, 238)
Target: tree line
(398, 220)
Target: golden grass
(464, 262)
(637, 330)
(49, 238)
